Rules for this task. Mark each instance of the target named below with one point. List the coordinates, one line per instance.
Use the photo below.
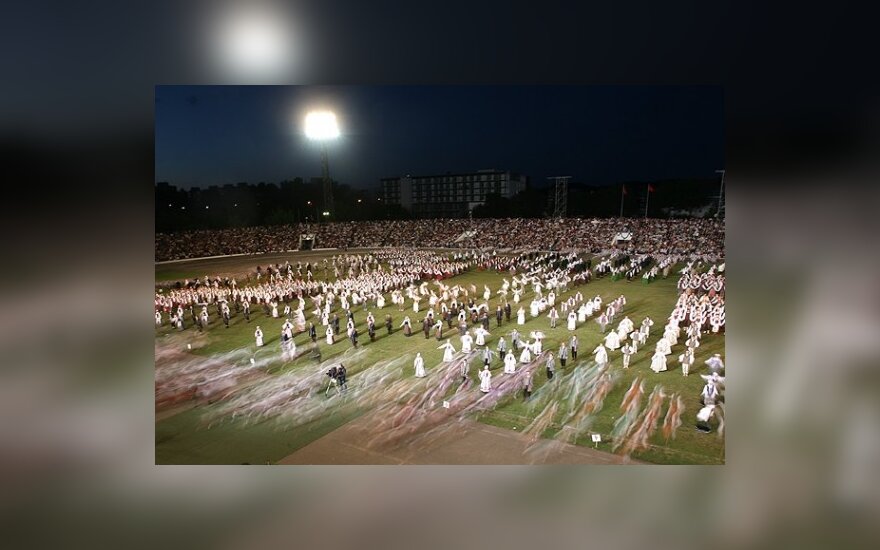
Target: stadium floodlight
(321, 125)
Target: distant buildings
(449, 195)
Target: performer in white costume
(258, 334)
(658, 361)
(582, 313)
(329, 334)
(663, 346)
(526, 355)
(612, 340)
(466, 342)
(485, 380)
(509, 363)
(481, 335)
(686, 359)
(521, 316)
(419, 364)
(627, 351)
(572, 320)
(601, 355)
(553, 316)
(448, 351)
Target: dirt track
(470, 443)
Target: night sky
(213, 135)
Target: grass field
(184, 438)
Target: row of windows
(425, 197)
(460, 179)
(452, 179)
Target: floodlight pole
(560, 199)
(325, 175)
(720, 192)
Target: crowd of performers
(415, 280)
(692, 237)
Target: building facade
(449, 195)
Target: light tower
(321, 126)
(720, 194)
(560, 201)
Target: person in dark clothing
(507, 311)
(342, 377)
(313, 332)
(527, 386)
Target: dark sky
(209, 135)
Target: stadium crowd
(701, 238)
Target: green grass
(185, 439)
(180, 439)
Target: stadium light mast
(720, 193)
(560, 199)
(321, 127)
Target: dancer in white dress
(601, 355)
(258, 334)
(509, 363)
(572, 321)
(329, 334)
(485, 380)
(624, 328)
(658, 361)
(419, 364)
(663, 346)
(449, 350)
(526, 355)
(481, 336)
(612, 340)
(534, 308)
(466, 342)
(274, 309)
(582, 313)
(521, 316)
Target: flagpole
(622, 193)
(647, 198)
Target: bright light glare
(321, 125)
(253, 42)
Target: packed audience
(703, 238)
